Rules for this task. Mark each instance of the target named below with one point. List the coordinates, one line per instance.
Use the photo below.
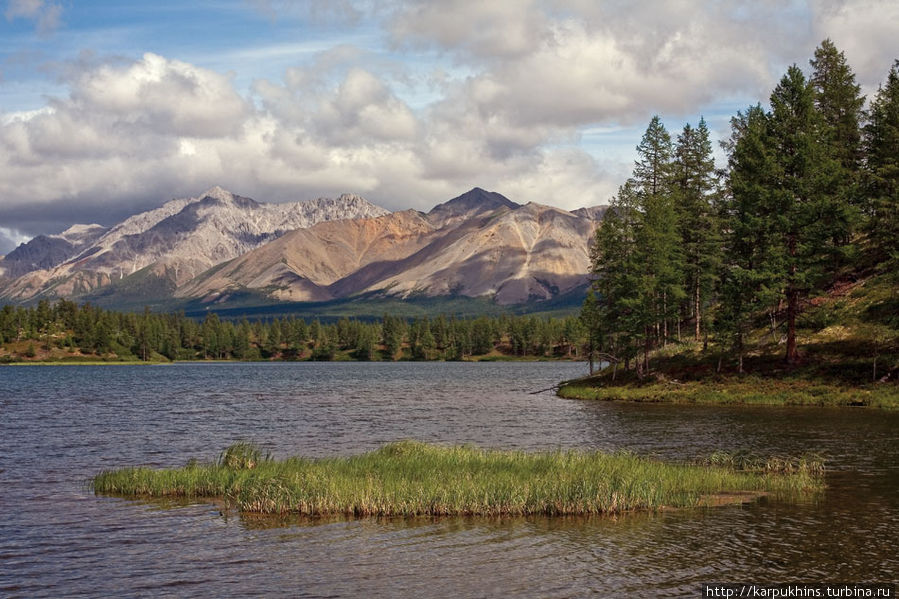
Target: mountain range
(220, 249)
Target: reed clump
(410, 478)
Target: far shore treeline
(66, 331)
(807, 205)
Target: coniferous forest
(797, 238)
(65, 331)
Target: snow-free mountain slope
(182, 238)
(499, 249)
(47, 251)
(220, 247)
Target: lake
(60, 425)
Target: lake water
(61, 425)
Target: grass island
(410, 478)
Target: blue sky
(107, 108)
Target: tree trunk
(665, 319)
(646, 345)
(792, 305)
(696, 308)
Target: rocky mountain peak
(81, 230)
(216, 196)
(217, 193)
(471, 203)
(351, 198)
(43, 251)
(594, 213)
(476, 199)
(477, 244)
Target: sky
(110, 108)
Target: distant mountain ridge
(180, 239)
(219, 245)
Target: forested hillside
(791, 250)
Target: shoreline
(101, 362)
(748, 390)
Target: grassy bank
(734, 390)
(849, 349)
(411, 478)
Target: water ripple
(60, 426)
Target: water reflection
(61, 425)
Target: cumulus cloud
(512, 89)
(361, 108)
(567, 63)
(482, 29)
(166, 96)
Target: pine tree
(882, 171)
(658, 245)
(392, 334)
(637, 257)
(694, 183)
(839, 104)
(653, 164)
(839, 101)
(365, 343)
(808, 215)
(614, 256)
(591, 321)
(749, 277)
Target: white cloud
(482, 29)
(9, 240)
(866, 32)
(513, 90)
(167, 96)
(47, 16)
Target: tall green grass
(745, 390)
(409, 478)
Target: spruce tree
(653, 164)
(839, 101)
(808, 215)
(658, 244)
(882, 171)
(615, 263)
(694, 184)
(839, 104)
(750, 272)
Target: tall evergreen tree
(653, 164)
(637, 255)
(657, 237)
(615, 262)
(882, 171)
(750, 273)
(694, 183)
(839, 101)
(808, 215)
